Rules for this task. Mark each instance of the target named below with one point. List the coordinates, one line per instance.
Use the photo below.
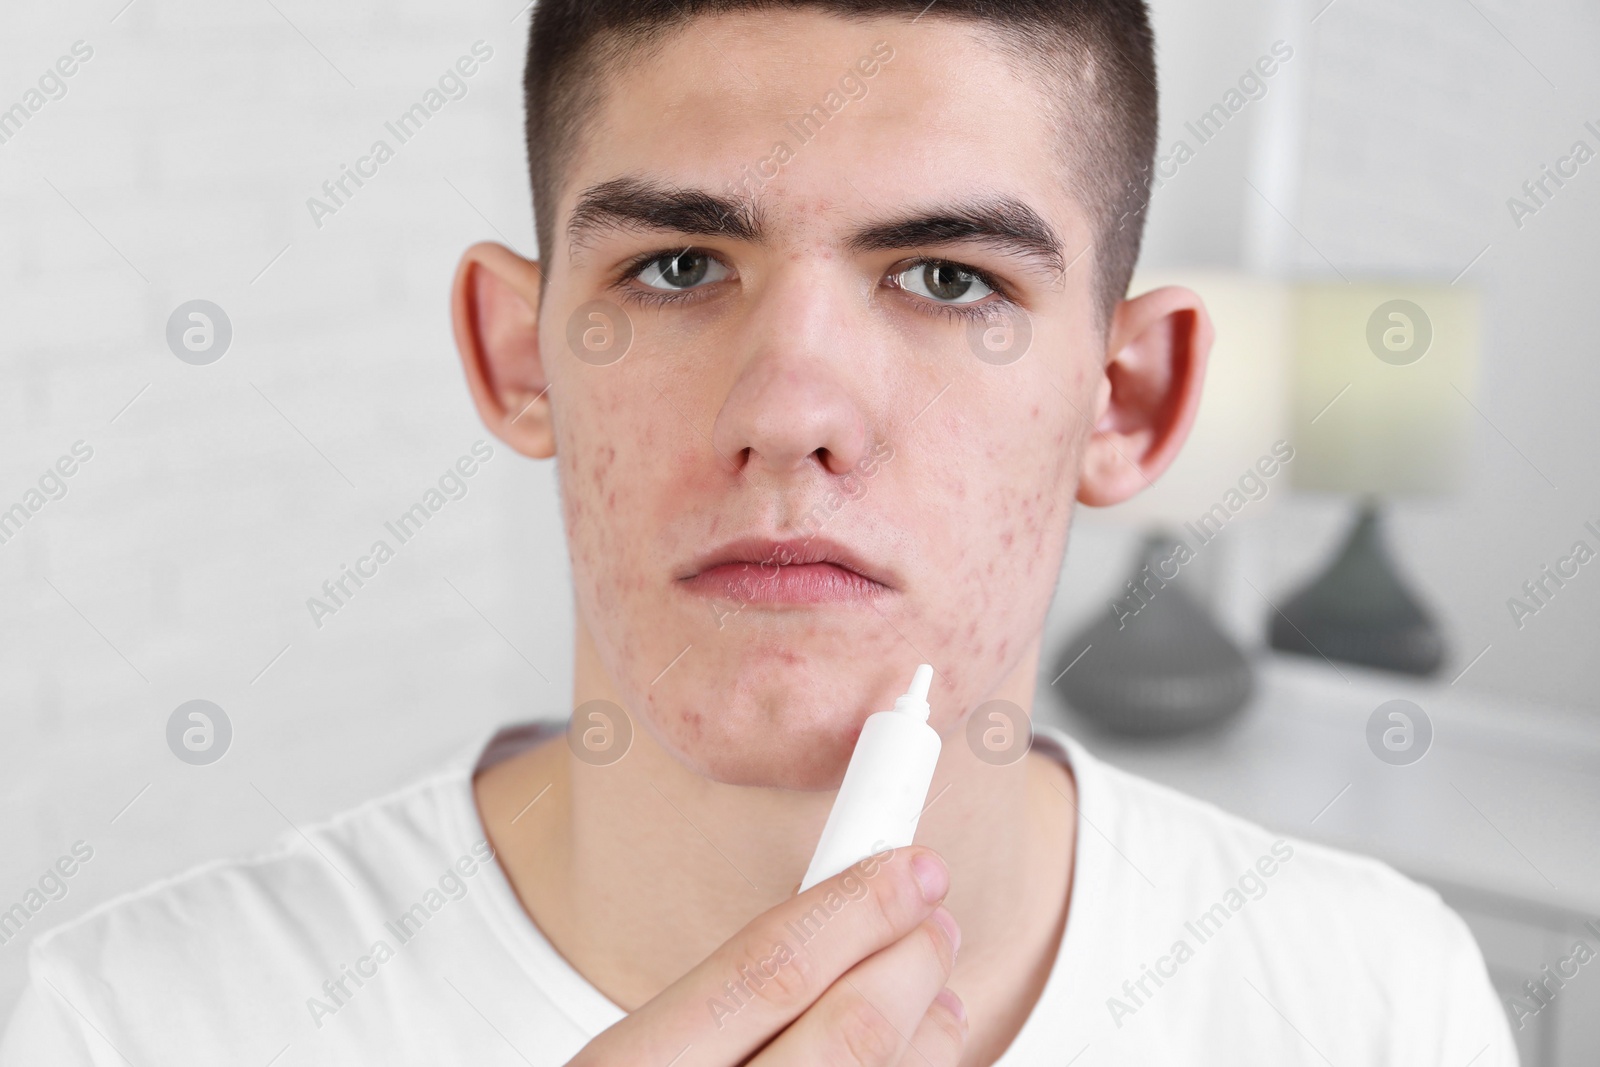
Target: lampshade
(1384, 376)
(1244, 406)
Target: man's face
(814, 468)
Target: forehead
(779, 105)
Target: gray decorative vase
(1359, 611)
(1166, 669)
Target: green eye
(945, 282)
(674, 271)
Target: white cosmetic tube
(885, 786)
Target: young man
(827, 338)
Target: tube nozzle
(915, 700)
(921, 682)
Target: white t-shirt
(389, 935)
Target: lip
(764, 571)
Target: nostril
(831, 462)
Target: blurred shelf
(1505, 803)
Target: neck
(637, 870)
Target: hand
(845, 973)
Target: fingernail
(952, 1004)
(942, 916)
(932, 876)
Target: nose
(796, 400)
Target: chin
(783, 729)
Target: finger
(870, 1014)
(941, 1037)
(766, 975)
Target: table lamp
(1383, 376)
(1160, 662)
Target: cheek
(629, 475)
(597, 471)
(1008, 502)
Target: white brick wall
(192, 538)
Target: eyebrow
(1004, 221)
(639, 204)
(636, 203)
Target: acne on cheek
(592, 540)
(989, 588)
(693, 723)
(604, 457)
(993, 587)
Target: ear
(494, 305)
(1155, 364)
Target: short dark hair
(1099, 53)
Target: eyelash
(954, 312)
